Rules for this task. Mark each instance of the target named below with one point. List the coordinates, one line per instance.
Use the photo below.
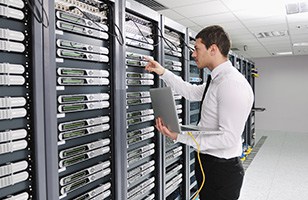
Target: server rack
(195, 76)
(251, 119)
(21, 118)
(143, 170)
(174, 154)
(80, 78)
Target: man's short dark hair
(215, 35)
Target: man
(226, 106)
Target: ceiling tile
(180, 3)
(171, 14)
(299, 38)
(213, 19)
(298, 18)
(256, 13)
(273, 27)
(274, 20)
(199, 9)
(186, 22)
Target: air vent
(152, 4)
(270, 34)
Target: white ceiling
(242, 19)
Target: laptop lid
(164, 107)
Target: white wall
(282, 89)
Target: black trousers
(223, 178)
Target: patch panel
(77, 19)
(82, 9)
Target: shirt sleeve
(187, 90)
(234, 105)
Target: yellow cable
(198, 155)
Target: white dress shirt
(226, 107)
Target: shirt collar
(220, 68)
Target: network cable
(36, 13)
(201, 167)
(110, 33)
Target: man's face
(201, 54)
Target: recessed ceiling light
(300, 44)
(283, 53)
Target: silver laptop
(164, 106)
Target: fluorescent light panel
(283, 53)
(300, 44)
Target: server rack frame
(167, 22)
(144, 11)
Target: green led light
(74, 107)
(74, 151)
(72, 72)
(72, 54)
(72, 81)
(74, 134)
(134, 114)
(133, 101)
(74, 160)
(75, 185)
(133, 94)
(74, 125)
(133, 75)
(74, 177)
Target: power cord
(201, 167)
(36, 13)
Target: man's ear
(213, 49)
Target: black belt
(208, 157)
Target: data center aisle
(280, 168)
